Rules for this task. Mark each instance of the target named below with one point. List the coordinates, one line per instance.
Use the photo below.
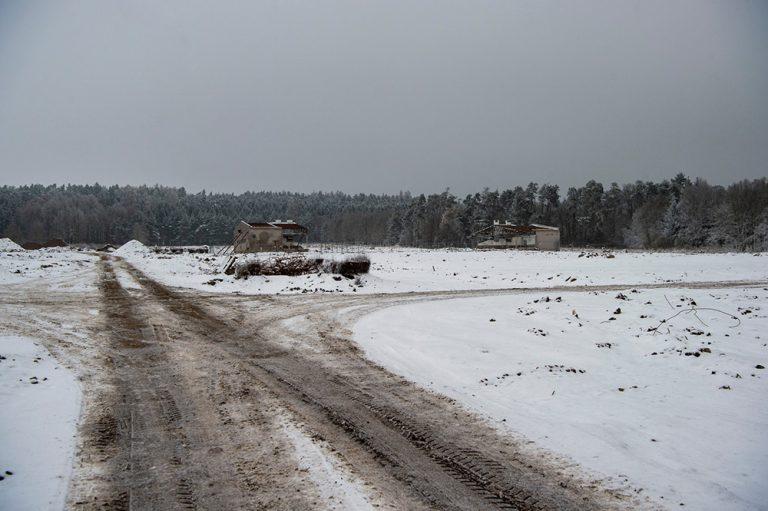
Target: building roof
(548, 227)
(277, 224)
(515, 229)
(290, 225)
(263, 225)
(510, 228)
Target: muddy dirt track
(188, 394)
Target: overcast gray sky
(381, 96)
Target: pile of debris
(293, 265)
(204, 249)
(605, 253)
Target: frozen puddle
(40, 402)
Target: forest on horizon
(678, 212)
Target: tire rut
(461, 466)
(137, 440)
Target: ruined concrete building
(508, 235)
(269, 236)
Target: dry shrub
(352, 265)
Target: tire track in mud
(168, 432)
(445, 458)
(136, 429)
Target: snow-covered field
(407, 270)
(40, 403)
(57, 269)
(678, 411)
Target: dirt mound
(8, 245)
(55, 243)
(133, 247)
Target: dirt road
(187, 396)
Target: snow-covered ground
(59, 269)
(406, 270)
(40, 403)
(8, 245)
(679, 411)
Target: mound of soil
(55, 242)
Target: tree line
(678, 212)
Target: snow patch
(133, 247)
(338, 489)
(40, 402)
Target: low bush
(349, 266)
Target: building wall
(258, 239)
(525, 241)
(547, 239)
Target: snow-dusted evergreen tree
(724, 232)
(648, 214)
(394, 229)
(672, 223)
(759, 238)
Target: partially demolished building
(277, 236)
(507, 235)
